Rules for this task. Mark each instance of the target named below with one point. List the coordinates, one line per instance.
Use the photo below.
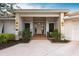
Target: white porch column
(17, 25)
(61, 25)
(31, 26)
(47, 26)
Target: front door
(39, 29)
(51, 27)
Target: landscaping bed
(8, 44)
(55, 37)
(7, 39)
(59, 41)
(12, 43)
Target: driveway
(42, 48)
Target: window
(51, 27)
(27, 25)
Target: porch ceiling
(40, 19)
(39, 14)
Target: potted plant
(26, 35)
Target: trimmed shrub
(5, 37)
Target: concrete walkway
(42, 48)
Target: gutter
(71, 17)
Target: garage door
(68, 30)
(75, 31)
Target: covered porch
(39, 25)
(40, 21)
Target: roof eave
(42, 10)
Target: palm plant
(26, 35)
(56, 35)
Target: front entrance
(39, 25)
(39, 29)
(39, 37)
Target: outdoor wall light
(62, 23)
(16, 22)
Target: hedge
(5, 37)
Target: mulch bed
(59, 41)
(14, 42)
(11, 43)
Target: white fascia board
(42, 10)
(71, 17)
(7, 18)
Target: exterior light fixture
(62, 23)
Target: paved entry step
(39, 37)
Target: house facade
(39, 21)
